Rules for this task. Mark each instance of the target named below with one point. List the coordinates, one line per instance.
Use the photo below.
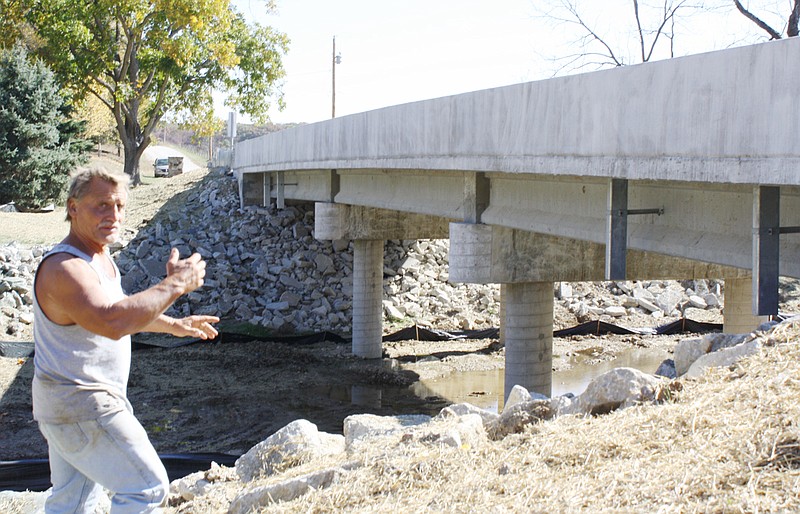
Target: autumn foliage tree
(143, 58)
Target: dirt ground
(226, 396)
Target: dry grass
(728, 442)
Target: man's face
(97, 215)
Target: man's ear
(71, 209)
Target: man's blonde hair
(80, 182)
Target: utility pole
(335, 59)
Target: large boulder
(463, 409)
(724, 357)
(618, 388)
(297, 442)
(254, 498)
(689, 350)
(360, 428)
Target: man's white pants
(111, 452)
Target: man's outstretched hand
(195, 326)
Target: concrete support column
(738, 317)
(529, 337)
(367, 298)
(502, 316)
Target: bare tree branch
(755, 19)
(639, 29)
(669, 16)
(791, 29)
(592, 34)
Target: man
(82, 327)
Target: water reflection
(485, 388)
(366, 396)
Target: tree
(204, 124)
(791, 23)
(12, 23)
(142, 58)
(100, 124)
(652, 25)
(40, 144)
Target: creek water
(485, 388)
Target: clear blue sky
(395, 51)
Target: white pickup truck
(168, 166)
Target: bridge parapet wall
(725, 117)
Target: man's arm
(69, 293)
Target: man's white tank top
(78, 375)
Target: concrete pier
(529, 337)
(738, 317)
(367, 297)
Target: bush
(39, 145)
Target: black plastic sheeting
(34, 474)
(598, 327)
(14, 349)
(422, 333)
(417, 332)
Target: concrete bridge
(686, 168)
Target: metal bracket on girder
(280, 189)
(335, 185)
(617, 234)
(766, 248)
(477, 187)
(280, 199)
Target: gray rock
(363, 427)
(463, 409)
(615, 311)
(667, 369)
(668, 301)
(254, 498)
(723, 357)
(720, 341)
(687, 351)
(297, 442)
(697, 302)
(618, 388)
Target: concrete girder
(704, 222)
(333, 221)
(488, 254)
(258, 188)
(415, 191)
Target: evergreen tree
(39, 144)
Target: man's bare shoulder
(61, 262)
(63, 271)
